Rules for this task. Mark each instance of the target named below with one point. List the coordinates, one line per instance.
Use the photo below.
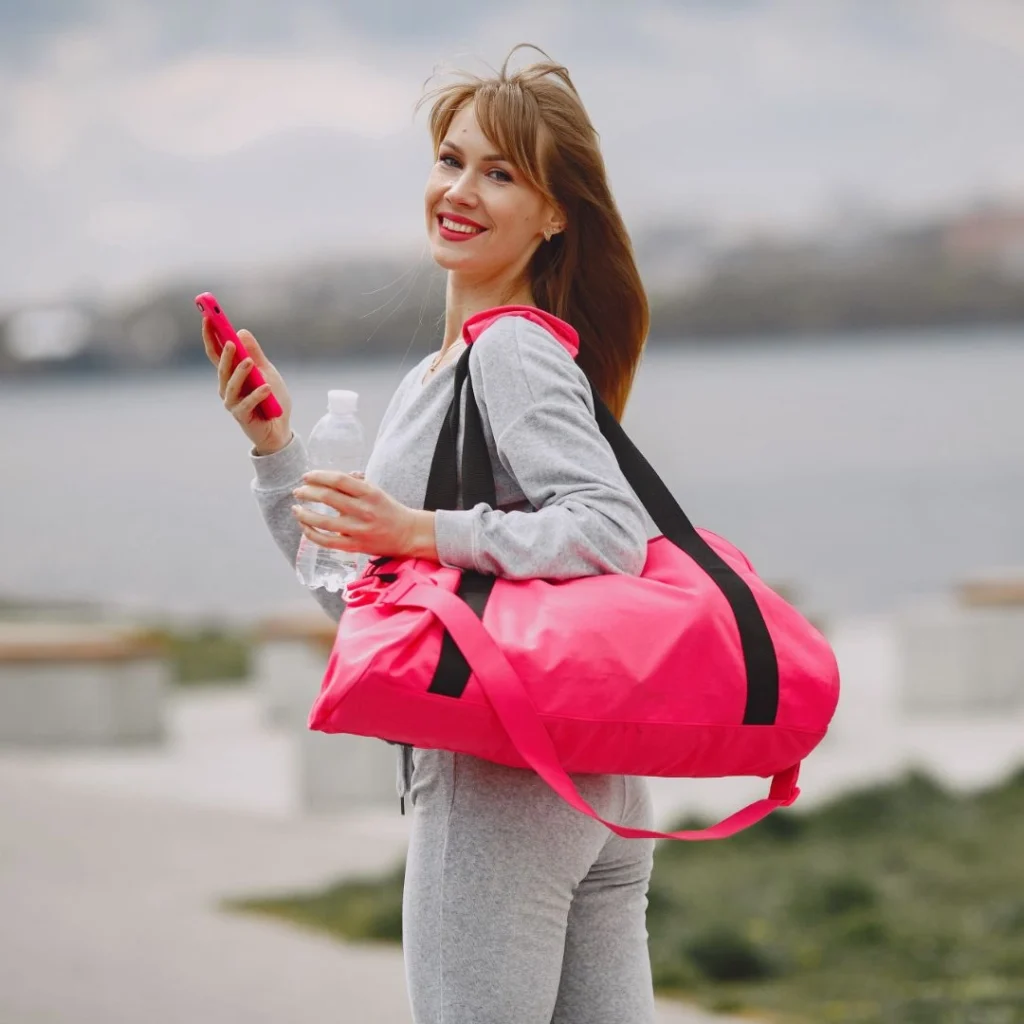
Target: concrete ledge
(315, 627)
(22, 642)
(289, 656)
(335, 772)
(65, 684)
(1002, 588)
(961, 658)
(342, 773)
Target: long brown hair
(586, 274)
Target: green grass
(206, 655)
(896, 904)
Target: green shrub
(883, 906)
(669, 849)
(957, 1009)
(674, 971)
(890, 808)
(820, 898)
(208, 655)
(723, 953)
(867, 928)
(780, 826)
(358, 909)
(664, 904)
(1007, 917)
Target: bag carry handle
(515, 711)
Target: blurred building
(991, 236)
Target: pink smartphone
(223, 332)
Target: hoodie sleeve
(277, 475)
(539, 409)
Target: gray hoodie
(564, 507)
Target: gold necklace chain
(441, 356)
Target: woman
(517, 909)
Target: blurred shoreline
(847, 282)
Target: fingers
(252, 347)
(325, 530)
(231, 379)
(329, 523)
(348, 483)
(247, 405)
(343, 503)
(227, 357)
(335, 541)
(220, 357)
(233, 388)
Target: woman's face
(483, 216)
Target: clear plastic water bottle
(337, 442)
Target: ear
(555, 221)
(554, 227)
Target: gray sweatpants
(518, 909)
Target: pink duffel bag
(696, 668)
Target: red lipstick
(458, 236)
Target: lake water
(863, 471)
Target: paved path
(108, 912)
(112, 863)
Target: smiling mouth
(456, 227)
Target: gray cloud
(133, 128)
(25, 28)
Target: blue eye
(448, 160)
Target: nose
(462, 191)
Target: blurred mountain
(855, 274)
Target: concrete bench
(77, 684)
(968, 655)
(335, 772)
(290, 654)
(1004, 589)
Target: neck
(464, 299)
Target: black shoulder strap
(477, 485)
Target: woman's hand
(369, 522)
(267, 436)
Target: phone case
(223, 332)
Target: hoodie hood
(566, 334)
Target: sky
(138, 140)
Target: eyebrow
(490, 158)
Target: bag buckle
(362, 591)
(396, 591)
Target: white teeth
(451, 225)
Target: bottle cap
(342, 403)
